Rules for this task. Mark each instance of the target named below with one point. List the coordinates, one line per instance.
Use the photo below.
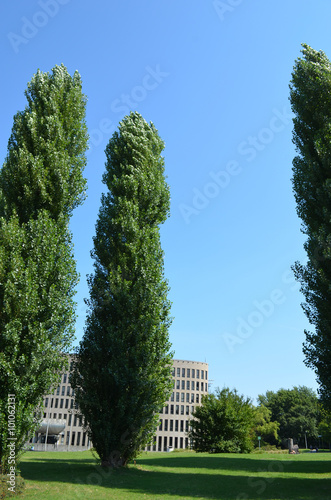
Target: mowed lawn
(178, 476)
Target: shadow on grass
(266, 478)
(291, 464)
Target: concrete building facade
(62, 426)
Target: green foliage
(223, 423)
(122, 373)
(40, 184)
(310, 96)
(264, 427)
(324, 427)
(297, 412)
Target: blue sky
(213, 77)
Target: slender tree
(122, 373)
(41, 182)
(310, 96)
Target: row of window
(75, 419)
(59, 403)
(190, 372)
(164, 443)
(174, 425)
(64, 389)
(190, 385)
(174, 409)
(190, 398)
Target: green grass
(183, 476)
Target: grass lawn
(185, 476)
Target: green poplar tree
(41, 182)
(310, 96)
(122, 374)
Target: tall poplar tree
(310, 96)
(41, 182)
(122, 374)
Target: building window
(67, 403)
(64, 378)
(192, 398)
(178, 372)
(183, 372)
(187, 397)
(171, 425)
(182, 409)
(177, 397)
(188, 372)
(197, 398)
(202, 372)
(182, 397)
(170, 441)
(176, 425)
(176, 442)
(68, 390)
(78, 438)
(65, 416)
(72, 403)
(172, 397)
(70, 418)
(198, 373)
(177, 384)
(187, 410)
(75, 421)
(68, 437)
(183, 385)
(206, 387)
(182, 426)
(193, 373)
(192, 385)
(177, 409)
(197, 386)
(171, 409)
(61, 403)
(73, 438)
(44, 415)
(63, 391)
(56, 402)
(173, 372)
(54, 415)
(187, 385)
(166, 410)
(58, 391)
(84, 437)
(60, 416)
(201, 385)
(52, 402)
(46, 402)
(166, 424)
(160, 426)
(192, 409)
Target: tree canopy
(223, 423)
(310, 96)
(41, 182)
(122, 373)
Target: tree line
(228, 422)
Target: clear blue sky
(213, 77)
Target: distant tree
(41, 182)
(122, 373)
(324, 427)
(297, 412)
(310, 96)
(263, 427)
(223, 423)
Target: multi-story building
(62, 426)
